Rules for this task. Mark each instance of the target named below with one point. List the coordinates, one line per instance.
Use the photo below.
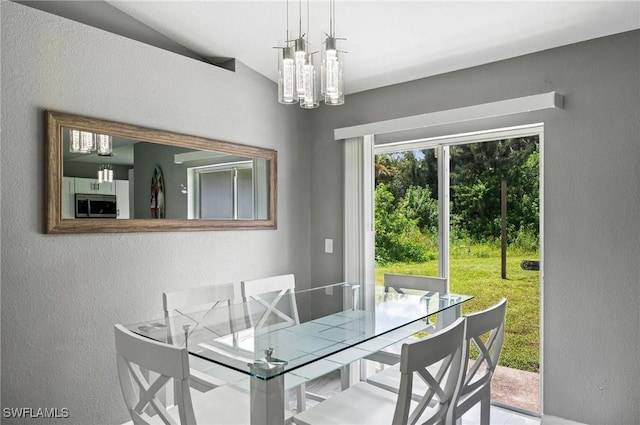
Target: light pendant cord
(308, 22)
(332, 17)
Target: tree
(421, 206)
(476, 174)
(384, 168)
(411, 188)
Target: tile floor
(329, 385)
(499, 416)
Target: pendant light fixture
(332, 72)
(104, 144)
(297, 76)
(105, 173)
(287, 91)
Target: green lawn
(477, 272)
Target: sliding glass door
(440, 210)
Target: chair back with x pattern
(275, 301)
(438, 360)
(205, 298)
(404, 283)
(485, 332)
(183, 301)
(135, 357)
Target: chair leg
(345, 377)
(485, 410)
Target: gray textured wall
(63, 293)
(591, 205)
(58, 351)
(147, 157)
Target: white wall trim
(500, 108)
(444, 199)
(460, 139)
(359, 244)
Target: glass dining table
(297, 336)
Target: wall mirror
(104, 176)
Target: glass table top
(280, 333)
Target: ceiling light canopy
(297, 76)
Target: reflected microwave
(95, 206)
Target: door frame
(365, 208)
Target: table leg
(449, 316)
(267, 401)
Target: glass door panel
(407, 216)
(438, 213)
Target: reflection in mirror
(112, 177)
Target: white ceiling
(387, 41)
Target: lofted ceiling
(387, 41)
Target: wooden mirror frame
(54, 223)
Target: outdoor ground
(476, 270)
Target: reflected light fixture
(105, 173)
(104, 144)
(81, 141)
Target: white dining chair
(485, 332)
(274, 299)
(146, 367)
(422, 285)
(274, 296)
(413, 284)
(197, 299)
(368, 404)
(194, 300)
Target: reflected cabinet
(105, 176)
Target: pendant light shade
(300, 61)
(81, 141)
(311, 96)
(104, 144)
(287, 90)
(105, 173)
(332, 73)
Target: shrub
(525, 241)
(397, 235)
